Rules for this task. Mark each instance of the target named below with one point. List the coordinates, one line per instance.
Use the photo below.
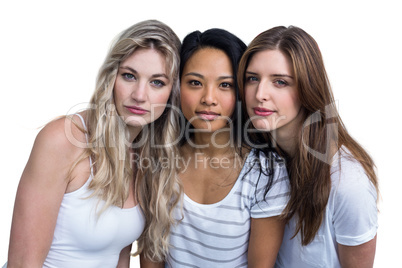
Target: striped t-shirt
(216, 235)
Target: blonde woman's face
(142, 87)
(271, 92)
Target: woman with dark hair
(332, 211)
(233, 48)
(227, 219)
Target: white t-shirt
(216, 235)
(82, 239)
(350, 219)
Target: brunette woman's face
(142, 87)
(271, 92)
(207, 89)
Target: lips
(207, 115)
(262, 111)
(136, 110)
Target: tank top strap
(86, 137)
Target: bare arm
(146, 263)
(361, 256)
(124, 258)
(265, 240)
(39, 195)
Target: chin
(262, 125)
(135, 121)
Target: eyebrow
(135, 72)
(273, 75)
(281, 75)
(201, 76)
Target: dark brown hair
(323, 130)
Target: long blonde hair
(310, 176)
(157, 187)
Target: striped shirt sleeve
(268, 204)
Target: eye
(226, 85)
(195, 83)
(281, 83)
(158, 83)
(128, 76)
(250, 79)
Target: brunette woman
(332, 212)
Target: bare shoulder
(45, 180)
(66, 135)
(58, 145)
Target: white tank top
(81, 239)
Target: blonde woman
(84, 196)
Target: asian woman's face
(271, 92)
(142, 87)
(207, 89)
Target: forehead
(148, 59)
(146, 54)
(271, 61)
(210, 59)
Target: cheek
(249, 101)
(229, 104)
(187, 101)
(118, 91)
(157, 111)
(249, 96)
(160, 97)
(184, 98)
(292, 104)
(296, 102)
(159, 100)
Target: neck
(211, 144)
(287, 142)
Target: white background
(50, 52)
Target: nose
(209, 97)
(262, 94)
(139, 92)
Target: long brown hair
(322, 132)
